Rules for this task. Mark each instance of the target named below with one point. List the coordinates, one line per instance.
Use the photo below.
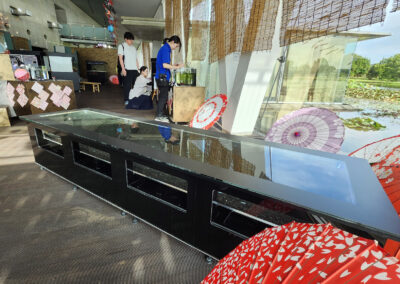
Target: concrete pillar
(245, 79)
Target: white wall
(74, 14)
(251, 80)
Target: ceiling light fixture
(19, 12)
(54, 25)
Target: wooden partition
(30, 108)
(108, 55)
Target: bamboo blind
(177, 23)
(186, 5)
(249, 25)
(307, 19)
(146, 55)
(241, 26)
(200, 29)
(177, 28)
(168, 18)
(396, 5)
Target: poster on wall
(60, 63)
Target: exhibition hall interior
(199, 141)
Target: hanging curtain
(177, 22)
(168, 18)
(261, 27)
(185, 7)
(200, 23)
(396, 6)
(241, 26)
(146, 55)
(307, 19)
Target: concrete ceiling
(142, 9)
(94, 9)
(130, 8)
(126, 8)
(146, 33)
(136, 8)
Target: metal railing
(76, 31)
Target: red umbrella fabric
(114, 79)
(21, 74)
(313, 128)
(209, 112)
(384, 157)
(305, 253)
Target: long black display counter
(210, 190)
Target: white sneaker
(162, 119)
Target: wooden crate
(186, 101)
(4, 121)
(6, 72)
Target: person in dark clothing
(163, 73)
(127, 55)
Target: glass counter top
(312, 173)
(332, 185)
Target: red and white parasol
(21, 74)
(384, 157)
(114, 79)
(306, 253)
(209, 112)
(313, 128)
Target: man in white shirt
(127, 56)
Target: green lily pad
(362, 123)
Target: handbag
(162, 81)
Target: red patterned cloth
(388, 173)
(305, 253)
(384, 157)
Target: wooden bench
(95, 86)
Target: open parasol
(209, 112)
(306, 253)
(313, 128)
(384, 157)
(114, 79)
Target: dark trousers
(162, 99)
(129, 81)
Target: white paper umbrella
(313, 128)
(209, 112)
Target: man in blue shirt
(163, 73)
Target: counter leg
(208, 259)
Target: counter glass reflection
(320, 175)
